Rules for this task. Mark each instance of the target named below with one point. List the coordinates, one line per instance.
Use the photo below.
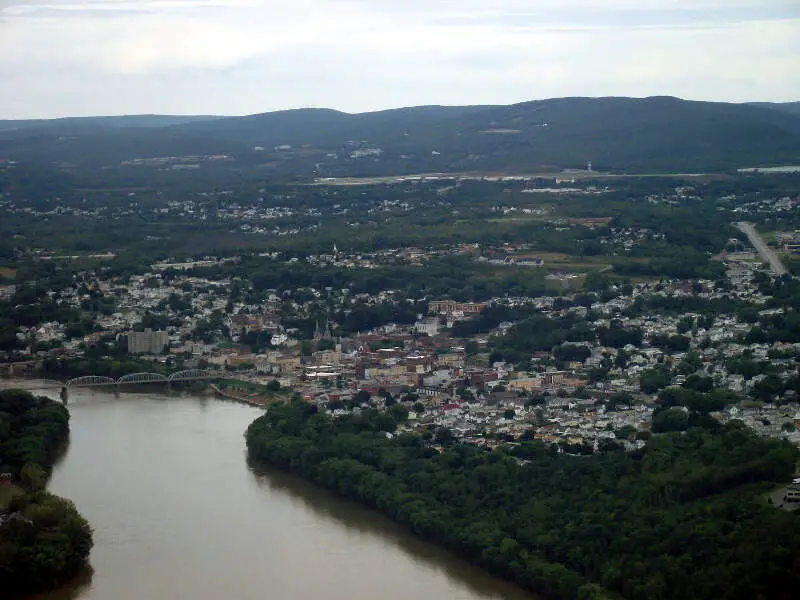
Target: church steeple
(327, 335)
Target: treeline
(456, 277)
(539, 333)
(67, 368)
(687, 264)
(682, 518)
(43, 539)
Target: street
(765, 251)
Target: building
(793, 493)
(429, 326)
(449, 307)
(147, 341)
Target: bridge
(132, 378)
(93, 381)
(9, 368)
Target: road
(765, 251)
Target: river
(177, 513)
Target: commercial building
(147, 341)
(449, 307)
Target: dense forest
(43, 539)
(685, 517)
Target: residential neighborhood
(579, 394)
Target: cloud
(238, 56)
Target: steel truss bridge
(93, 381)
(132, 378)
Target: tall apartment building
(147, 341)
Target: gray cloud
(79, 57)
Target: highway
(765, 251)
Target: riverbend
(178, 513)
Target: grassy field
(557, 261)
(8, 272)
(577, 174)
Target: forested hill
(657, 134)
(792, 108)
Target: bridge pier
(65, 395)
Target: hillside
(792, 108)
(81, 125)
(658, 134)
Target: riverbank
(44, 540)
(249, 399)
(156, 478)
(554, 523)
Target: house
(502, 398)
(793, 493)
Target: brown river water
(177, 513)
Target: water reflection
(339, 511)
(73, 590)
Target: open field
(500, 176)
(557, 261)
(521, 218)
(8, 272)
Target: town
(474, 369)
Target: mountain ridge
(657, 133)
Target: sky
(232, 57)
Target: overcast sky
(92, 57)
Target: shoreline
(45, 428)
(257, 401)
(265, 402)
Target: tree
(652, 380)
(443, 436)
(625, 432)
(619, 399)
(608, 445)
(670, 419)
(767, 388)
(49, 541)
(326, 344)
(509, 413)
(399, 412)
(465, 395)
(335, 405)
(519, 508)
(274, 385)
(33, 477)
